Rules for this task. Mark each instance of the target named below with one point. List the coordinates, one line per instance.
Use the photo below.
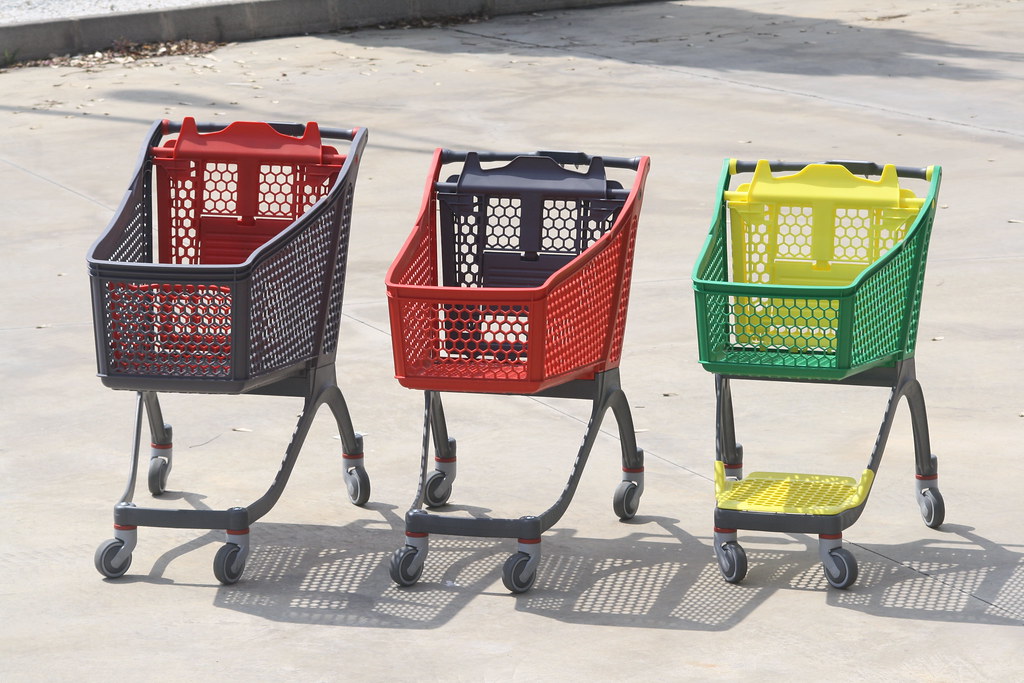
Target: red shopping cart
(223, 272)
(515, 280)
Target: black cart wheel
(626, 500)
(358, 484)
(933, 508)
(224, 564)
(400, 566)
(732, 561)
(437, 491)
(159, 469)
(512, 574)
(104, 559)
(846, 567)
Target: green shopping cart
(813, 273)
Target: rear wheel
(159, 469)
(933, 508)
(357, 481)
(626, 500)
(437, 490)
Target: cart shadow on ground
(656, 577)
(964, 577)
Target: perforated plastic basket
(515, 278)
(239, 280)
(815, 274)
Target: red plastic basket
(475, 308)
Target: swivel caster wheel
(437, 490)
(357, 481)
(159, 470)
(513, 573)
(404, 570)
(226, 566)
(844, 573)
(104, 559)
(933, 508)
(732, 561)
(626, 500)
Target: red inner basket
(222, 195)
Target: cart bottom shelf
(788, 493)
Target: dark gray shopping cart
(223, 272)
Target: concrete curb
(240, 21)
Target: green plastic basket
(815, 274)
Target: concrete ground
(688, 83)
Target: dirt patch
(121, 53)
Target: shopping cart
(515, 280)
(236, 289)
(814, 276)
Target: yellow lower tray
(784, 492)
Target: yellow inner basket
(819, 227)
(783, 492)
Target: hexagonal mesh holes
(222, 264)
(570, 226)
(484, 228)
(817, 274)
(219, 212)
(805, 246)
(171, 330)
(519, 281)
(494, 338)
(492, 247)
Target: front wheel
(512, 574)
(225, 567)
(845, 572)
(401, 566)
(732, 561)
(104, 559)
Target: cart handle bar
(564, 158)
(615, 193)
(293, 129)
(865, 168)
